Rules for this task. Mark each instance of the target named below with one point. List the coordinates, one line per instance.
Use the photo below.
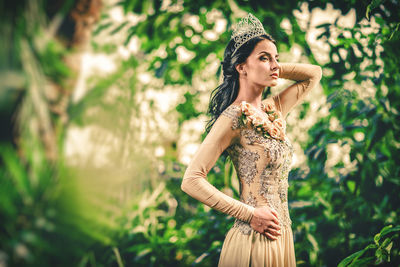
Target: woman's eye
(263, 58)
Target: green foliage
(51, 59)
(167, 218)
(50, 215)
(378, 253)
(47, 221)
(369, 189)
(22, 212)
(187, 109)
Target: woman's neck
(250, 93)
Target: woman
(252, 132)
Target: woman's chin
(271, 83)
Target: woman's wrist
(251, 211)
(285, 69)
(299, 71)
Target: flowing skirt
(256, 250)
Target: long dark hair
(224, 95)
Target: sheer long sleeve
(307, 76)
(195, 183)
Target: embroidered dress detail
(250, 200)
(245, 162)
(232, 112)
(244, 227)
(262, 162)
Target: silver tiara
(246, 29)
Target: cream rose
(244, 106)
(266, 125)
(279, 122)
(251, 112)
(271, 117)
(269, 124)
(269, 107)
(257, 120)
(275, 132)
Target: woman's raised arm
(307, 77)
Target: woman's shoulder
(233, 113)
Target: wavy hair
(224, 95)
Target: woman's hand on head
(265, 221)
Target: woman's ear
(240, 68)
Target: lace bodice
(262, 165)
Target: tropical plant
(129, 210)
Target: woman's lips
(275, 76)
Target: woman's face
(262, 67)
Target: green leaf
(118, 28)
(16, 171)
(374, 4)
(102, 27)
(348, 261)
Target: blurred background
(103, 104)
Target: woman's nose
(274, 64)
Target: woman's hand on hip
(265, 221)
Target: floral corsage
(270, 122)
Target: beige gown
(262, 165)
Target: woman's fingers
(274, 213)
(274, 226)
(266, 222)
(275, 221)
(273, 232)
(270, 236)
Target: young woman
(252, 132)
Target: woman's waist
(260, 199)
(265, 188)
(276, 203)
(280, 208)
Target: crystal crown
(246, 29)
